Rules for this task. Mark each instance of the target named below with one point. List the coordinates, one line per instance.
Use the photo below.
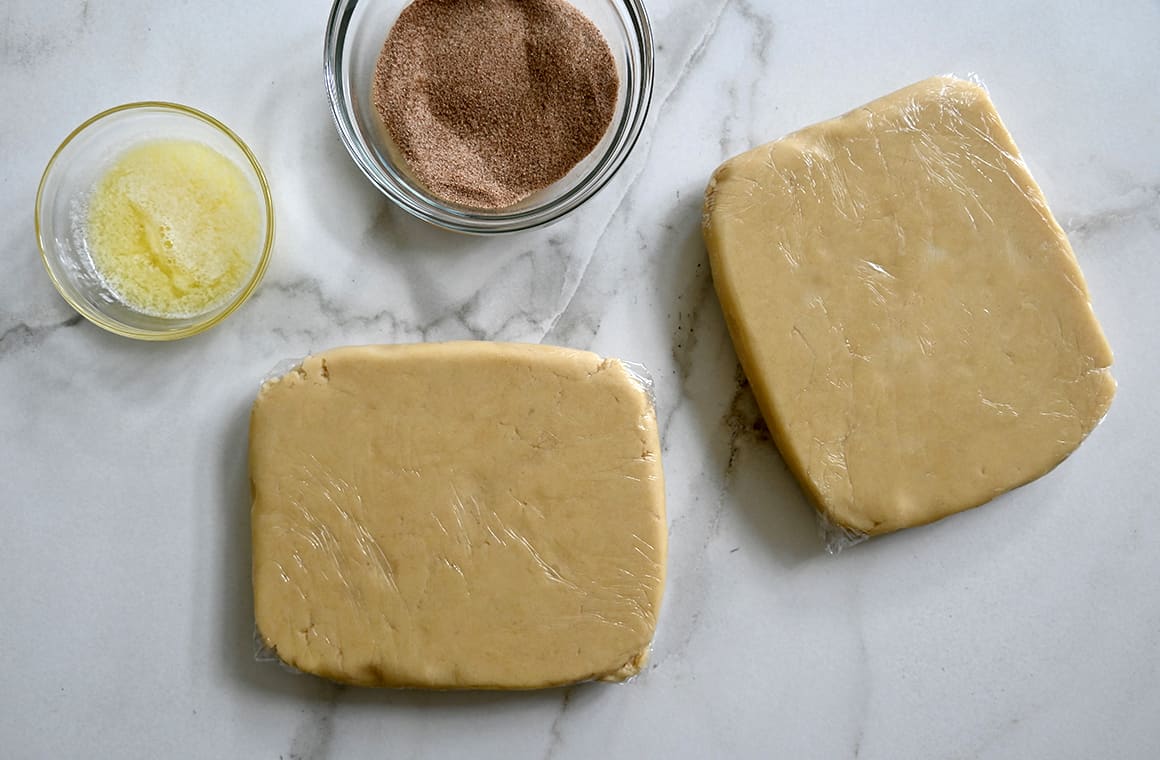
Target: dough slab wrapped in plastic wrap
(458, 515)
(911, 317)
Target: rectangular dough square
(911, 317)
(458, 515)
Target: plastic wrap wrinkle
(912, 319)
(643, 378)
(281, 368)
(837, 538)
(466, 515)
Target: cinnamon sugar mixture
(492, 100)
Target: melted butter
(174, 228)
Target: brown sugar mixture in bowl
(491, 100)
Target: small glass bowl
(354, 38)
(69, 178)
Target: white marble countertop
(1027, 628)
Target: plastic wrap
(913, 321)
(457, 515)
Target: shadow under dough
(756, 482)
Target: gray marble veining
(1027, 628)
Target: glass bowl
(68, 180)
(354, 37)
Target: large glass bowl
(354, 38)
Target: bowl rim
(425, 206)
(119, 328)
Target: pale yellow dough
(913, 322)
(458, 515)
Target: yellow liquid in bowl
(174, 228)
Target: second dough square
(458, 515)
(913, 321)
